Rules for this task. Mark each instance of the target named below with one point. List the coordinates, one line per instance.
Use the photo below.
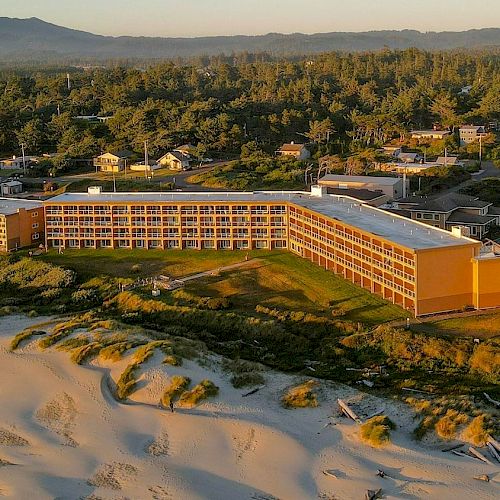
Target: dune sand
(63, 436)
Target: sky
(188, 18)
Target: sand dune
(62, 435)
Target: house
(449, 161)
(390, 150)
(298, 151)
(22, 223)
(115, 161)
(175, 160)
(9, 188)
(186, 149)
(16, 162)
(430, 134)
(409, 157)
(452, 209)
(392, 187)
(471, 133)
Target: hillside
(29, 39)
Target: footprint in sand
(8, 438)
(113, 476)
(58, 415)
(159, 446)
(159, 493)
(244, 444)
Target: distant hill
(30, 39)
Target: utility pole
(58, 110)
(68, 81)
(114, 180)
(480, 149)
(24, 159)
(146, 159)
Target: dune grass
(178, 385)
(204, 390)
(127, 382)
(376, 431)
(24, 335)
(301, 396)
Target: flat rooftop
(380, 180)
(406, 232)
(9, 206)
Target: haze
(188, 18)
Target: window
(106, 243)
(419, 215)
(36, 236)
(428, 216)
(73, 243)
(34, 226)
(139, 243)
(34, 214)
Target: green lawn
(278, 280)
(484, 326)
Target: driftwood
(494, 453)
(494, 443)
(373, 494)
(253, 391)
(462, 454)
(491, 400)
(415, 390)
(345, 408)
(479, 455)
(483, 477)
(330, 473)
(451, 448)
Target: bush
(200, 392)
(24, 335)
(82, 353)
(177, 386)
(478, 431)
(172, 360)
(127, 382)
(376, 430)
(247, 379)
(301, 396)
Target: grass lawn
(484, 326)
(278, 280)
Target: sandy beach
(63, 435)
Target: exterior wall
(371, 262)
(393, 190)
(445, 278)
(486, 275)
(109, 163)
(303, 154)
(22, 229)
(168, 225)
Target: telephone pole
(24, 159)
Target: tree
(320, 130)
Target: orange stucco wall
(486, 274)
(445, 279)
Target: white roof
(405, 232)
(12, 183)
(381, 181)
(9, 206)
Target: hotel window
(155, 244)
(139, 244)
(122, 243)
(280, 244)
(241, 244)
(428, 216)
(34, 226)
(73, 243)
(261, 244)
(172, 244)
(34, 214)
(106, 243)
(225, 244)
(35, 236)
(208, 244)
(88, 243)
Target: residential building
(471, 133)
(298, 151)
(452, 209)
(406, 168)
(21, 223)
(115, 161)
(423, 269)
(430, 134)
(175, 160)
(390, 150)
(449, 161)
(187, 149)
(389, 186)
(409, 157)
(10, 188)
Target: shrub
(200, 392)
(376, 430)
(301, 396)
(177, 386)
(24, 335)
(486, 359)
(82, 353)
(478, 431)
(172, 360)
(127, 382)
(115, 351)
(87, 296)
(247, 379)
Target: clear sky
(228, 17)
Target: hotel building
(419, 267)
(21, 224)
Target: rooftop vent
(94, 190)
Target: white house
(10, 188)
(298, 151)
(175, 160)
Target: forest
(344, 104)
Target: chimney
(93, 190)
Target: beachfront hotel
(421, 268)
